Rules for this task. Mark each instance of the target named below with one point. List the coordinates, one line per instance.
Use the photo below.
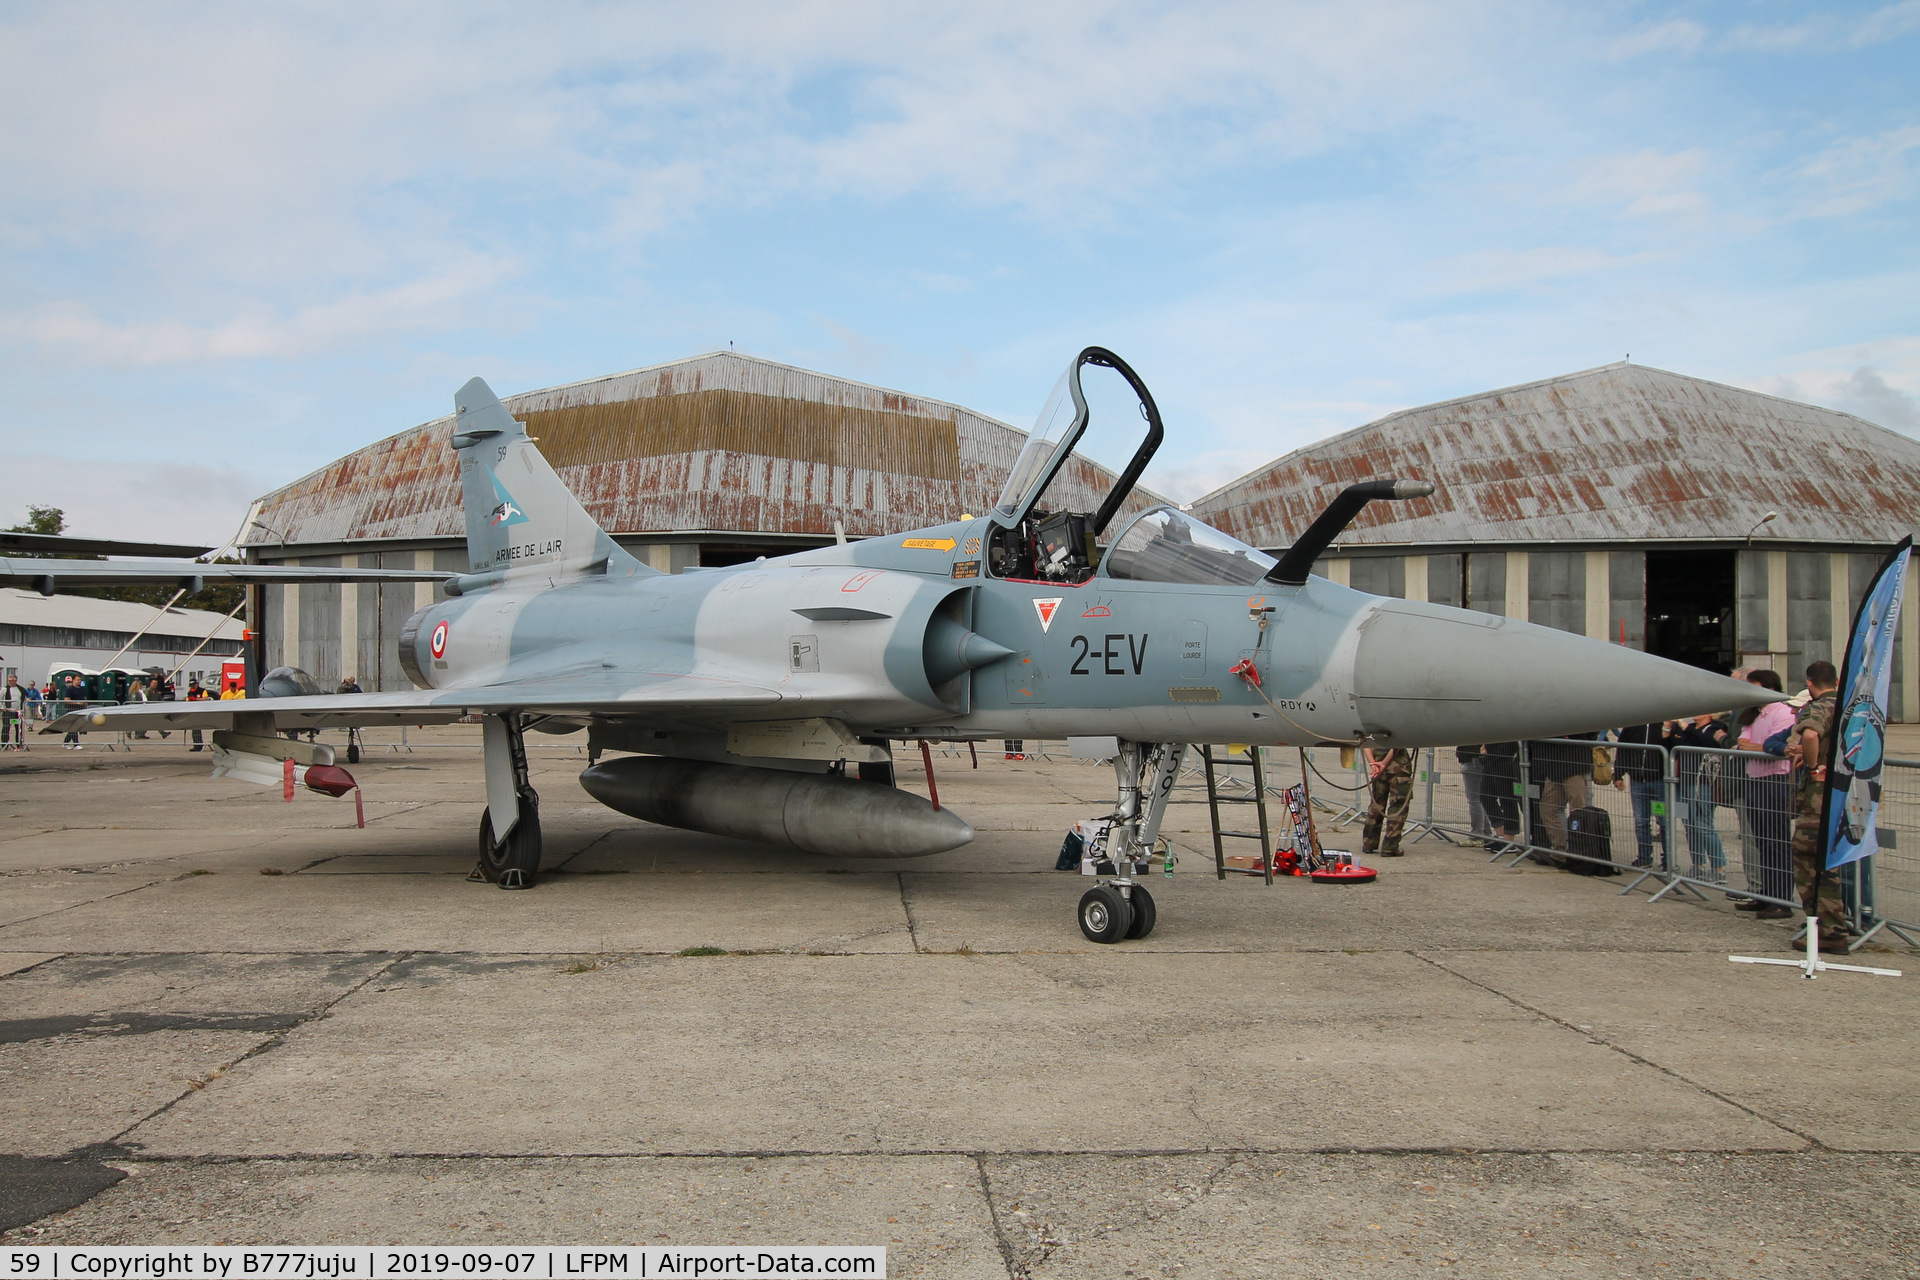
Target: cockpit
(1166, 545)
(1031, 542)
(1034, 542)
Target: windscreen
(1050, 434)
(1165, 545)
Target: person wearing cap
(196, 694)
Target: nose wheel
(1110, 912)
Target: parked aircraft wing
(46, 576)
(59, 544)
(678, 695)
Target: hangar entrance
(1690, 607)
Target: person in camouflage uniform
(1392, 772)
(1807, 746)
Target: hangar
(39, 633)
(1623, 502)
(711, 460)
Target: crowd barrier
(1690, 820)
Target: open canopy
(1058, 431)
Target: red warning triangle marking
(1046, 609)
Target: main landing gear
(1121, 907)
(511, 860)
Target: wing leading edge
(46, 576)
(679, 695)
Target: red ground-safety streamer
(926, 756)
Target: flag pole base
(1813, 966)
(1816, 967)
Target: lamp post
(1768, 518)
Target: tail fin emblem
(508, 512)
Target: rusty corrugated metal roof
(1619, 453)
(722, 442)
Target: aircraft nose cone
(1429, 675)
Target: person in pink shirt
(1768, 805)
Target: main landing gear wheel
(1144, 915)
(1105, 916)
(514, 862)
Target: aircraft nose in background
(1430, 675)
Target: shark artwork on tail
(760, 701)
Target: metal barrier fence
(1696, 820)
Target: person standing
(1471, 759)
(1807, 749)
(1499, 792)
(13, 716)
(1693, 780)
(138, 693)
(196, 694)
(1392, 787)
(1768, 804)
(351, 685)
(1563, 769)
(1639, 767)
(73, 697)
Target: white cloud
(1855, 174)
(1496, 270)
(195, 502)
(1642, 183)
(1867, 394)
(73, 331)
(1197, 475)
(1878, 381)
(1828, 32)
(1677, 35)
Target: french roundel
(439, 641)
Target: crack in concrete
(266, 1046)
(561, 865)
(1626, 1053)
(1146, 1215)
(913, 1153)
(72, 906)
(1014, 1270)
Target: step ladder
(1216, 771)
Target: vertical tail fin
(519, 514)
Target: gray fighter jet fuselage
(743, 698)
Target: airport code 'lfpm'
(616, 1262)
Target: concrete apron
(1457, 1066)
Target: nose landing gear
(1121, 907)
(1115, 910)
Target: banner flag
(1858, 749)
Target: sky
(239, 241)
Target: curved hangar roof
(720, 442)
(1615, 454)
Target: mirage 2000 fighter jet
(759, 701)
